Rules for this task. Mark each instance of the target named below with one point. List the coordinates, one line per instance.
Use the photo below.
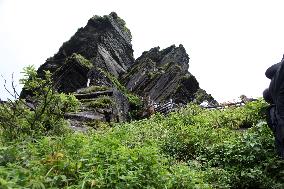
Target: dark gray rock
(116, 111)
(94, 94)
(162, 75)
(121, 107)
(72, 75)
(105, 42)
(101, 55)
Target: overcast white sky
(230, 42)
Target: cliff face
(104, 43)
(162, 75)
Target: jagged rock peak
(171, 54)
(112, 20)
(162, 75)
(105, 42)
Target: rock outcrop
(97, 65)
(109, 105)
(105, 42)
(162, 75)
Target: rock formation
(104, 43)
(100, 55)
(163, 75)
(108, 105)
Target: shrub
(41, 114)
(186, 149)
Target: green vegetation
(83, 61)
(100, 102)
(114, 81)
(134, 100)
(93, 88)
(42, 114)
(190, 148)
(122, 24)
(97, 124)
(201, 96)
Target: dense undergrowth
(191, 148)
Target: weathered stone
(72, 75)
(94, 94)
(84, 116)
(105, 42)
(101, 55)
(162, 75)
(115, 112)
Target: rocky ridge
(163, 75)
(98, 66)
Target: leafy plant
(190, 148)
(40, 114)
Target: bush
(42, 113)
(94, 161)
(190, 148)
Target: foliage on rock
(100, 102)
(201, 96)
(134, 100)
(92, 89)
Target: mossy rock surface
(92, 89)
(160, 75)
(100, 102)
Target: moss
(107, 18)
(185, 77)
(134, 100)
(132, 71)
(121, 23)
(171, 65)
(165, 66)
(114, 81)
(82, 60)
(155, 74)
(101, 102)
(94, 88)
